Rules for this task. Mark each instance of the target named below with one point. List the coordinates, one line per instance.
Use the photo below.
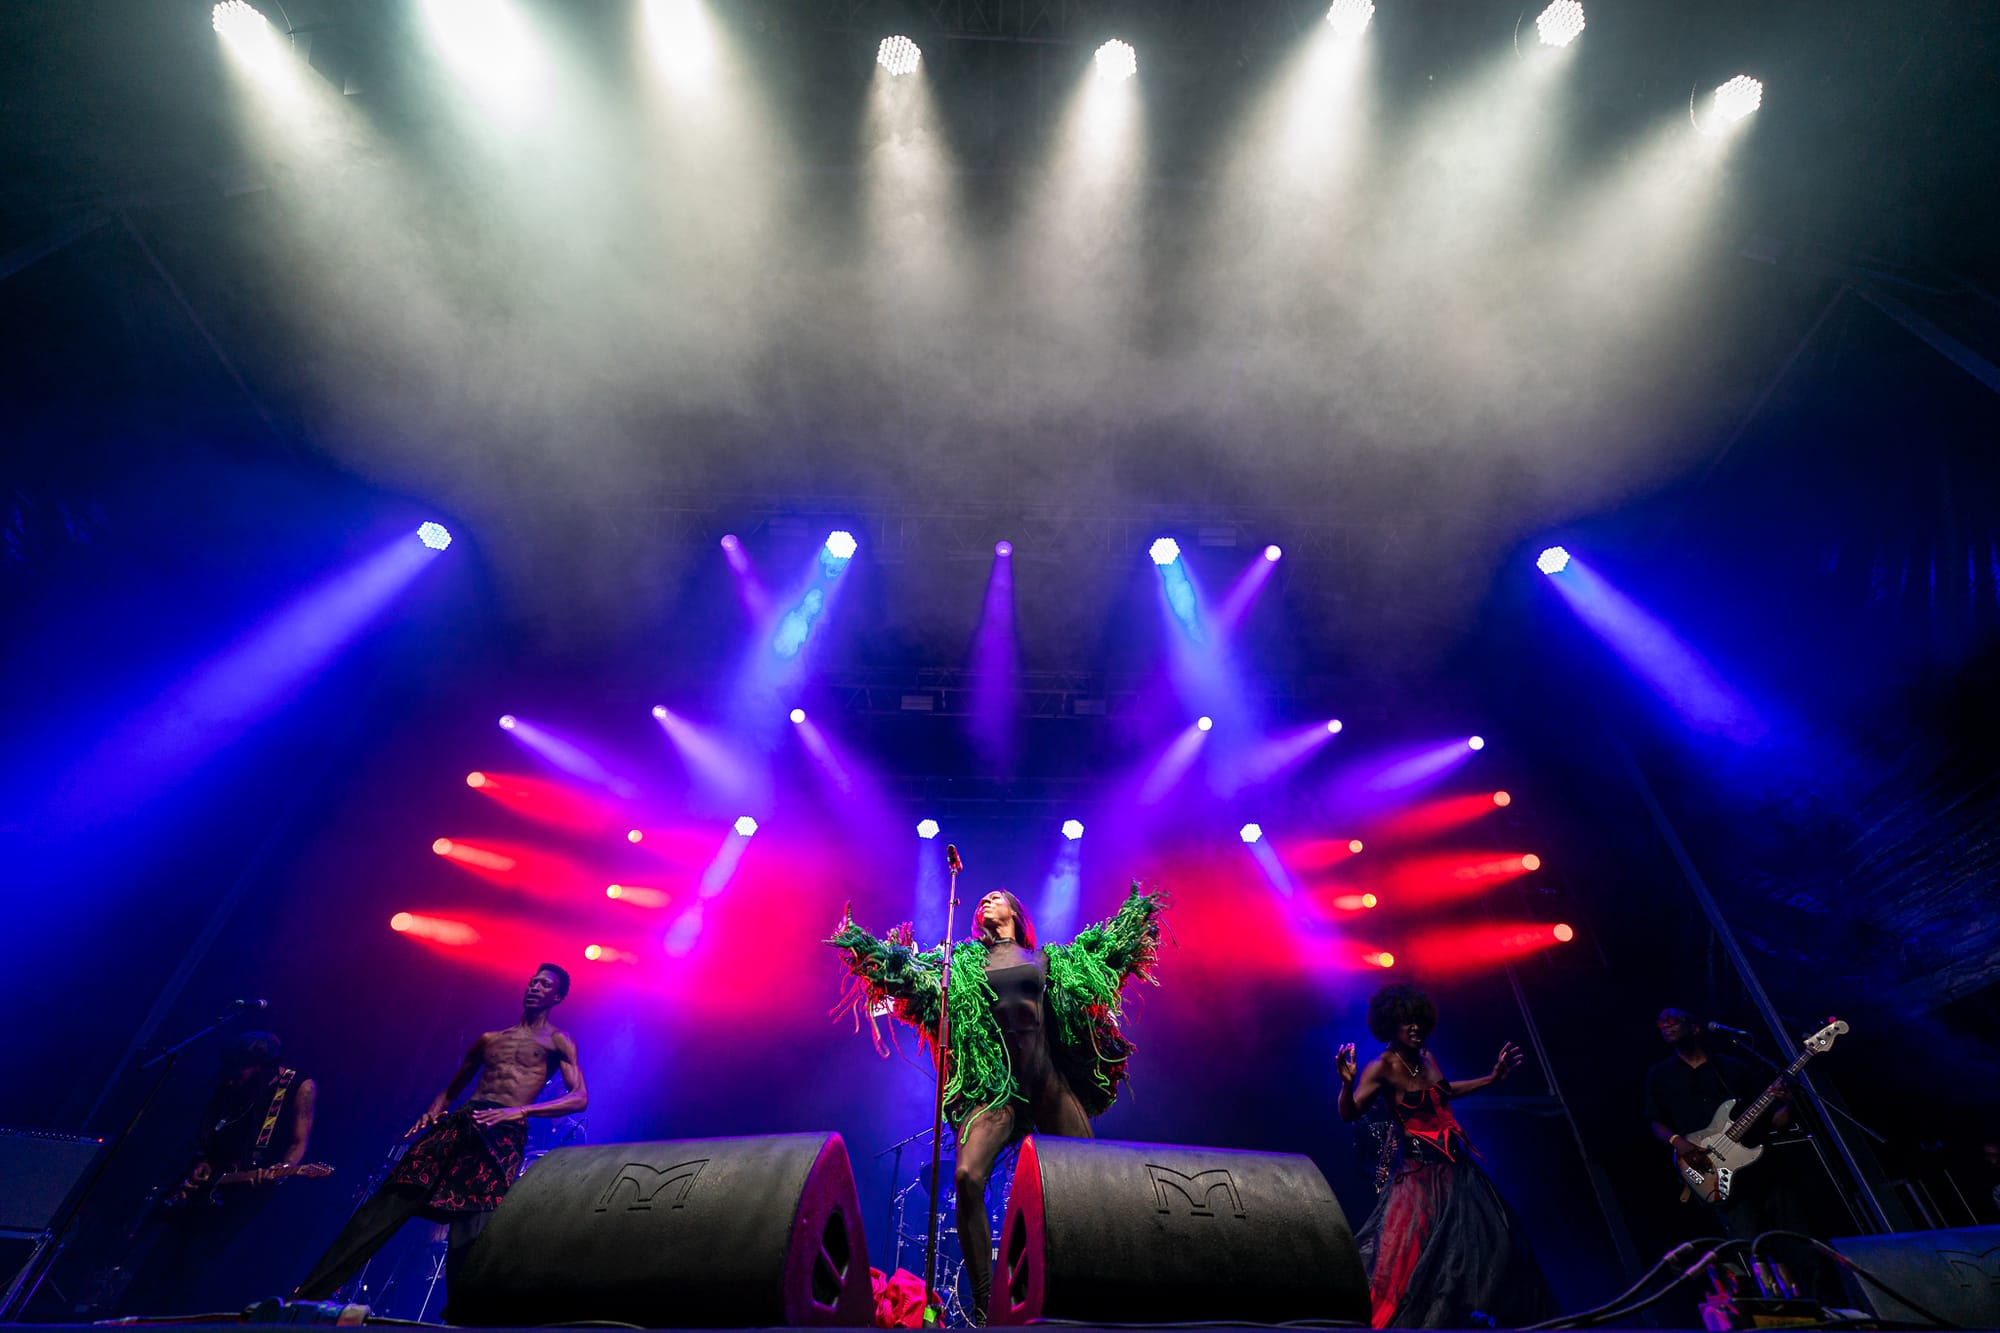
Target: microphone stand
(26, 1286)
(954, 865)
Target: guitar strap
(279, 1091)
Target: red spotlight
(436, 929)
(466, 854)
(635, 836)
(1563, 933)
(1354, 845)
(1502, 798)
(475, 779)
(1382, 958)
(593, 952)
(1437, 816)
(1369, 900)
(637, 896)
(1531, 862)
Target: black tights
(1052, 1109)
(373, 1223)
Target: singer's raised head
(1000, 916)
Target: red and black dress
(1442, 1248)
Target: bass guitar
(1722, 1140)
(202, 1186)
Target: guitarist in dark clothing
(258, 1122)
(1683, 1093)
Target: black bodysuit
(1020, 984)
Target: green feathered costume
(1081, 1006)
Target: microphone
(250, 1004)
(1724, 1030)
(951, 858)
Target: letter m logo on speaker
(1198, 1191)
(651, 1184)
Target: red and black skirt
(461, 1166)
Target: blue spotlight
(798, 715)
(660, 712)
(927, 829)
(746, 826)
(1333, 726)
(1003, 548)
(1475, 742)
(434, 535)
(1072, 829)
(1274, 553)
(1250, 832)
(840, 544)
(1164, 550)
(1204, 723)
(506, 722)
(1552, 561)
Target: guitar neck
(1742, 1123)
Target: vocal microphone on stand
(1724, 1030)
(951, 860)
(250, 1004)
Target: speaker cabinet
(1954, 1274)
(691, 1233)
(1154, 1233)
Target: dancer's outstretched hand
(1344, 1063)
(1507, 1061)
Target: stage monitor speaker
(1156, 1233)
(1955, 1274)
(691, 1233)
(40, 1173)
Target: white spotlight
(1333, 726)
(1250, 832)
(1349, 18)
(234, 18)
(660, 712)
(746, 826)
(1164, 551)
(798, 715)
(899, 55)
(434, 535)
(1204, 723)
(840, 544)
(1561, 23)
(1736, 99)
(1116, 61)
(927, 829)
(1072, 829)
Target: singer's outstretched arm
(893, 969)
(1129, 943)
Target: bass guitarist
(1683, 1093)
(203, 1246)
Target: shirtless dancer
(465, 1160)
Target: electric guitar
(199, 1187)
(1723, 1139)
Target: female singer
(1034, 1032)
